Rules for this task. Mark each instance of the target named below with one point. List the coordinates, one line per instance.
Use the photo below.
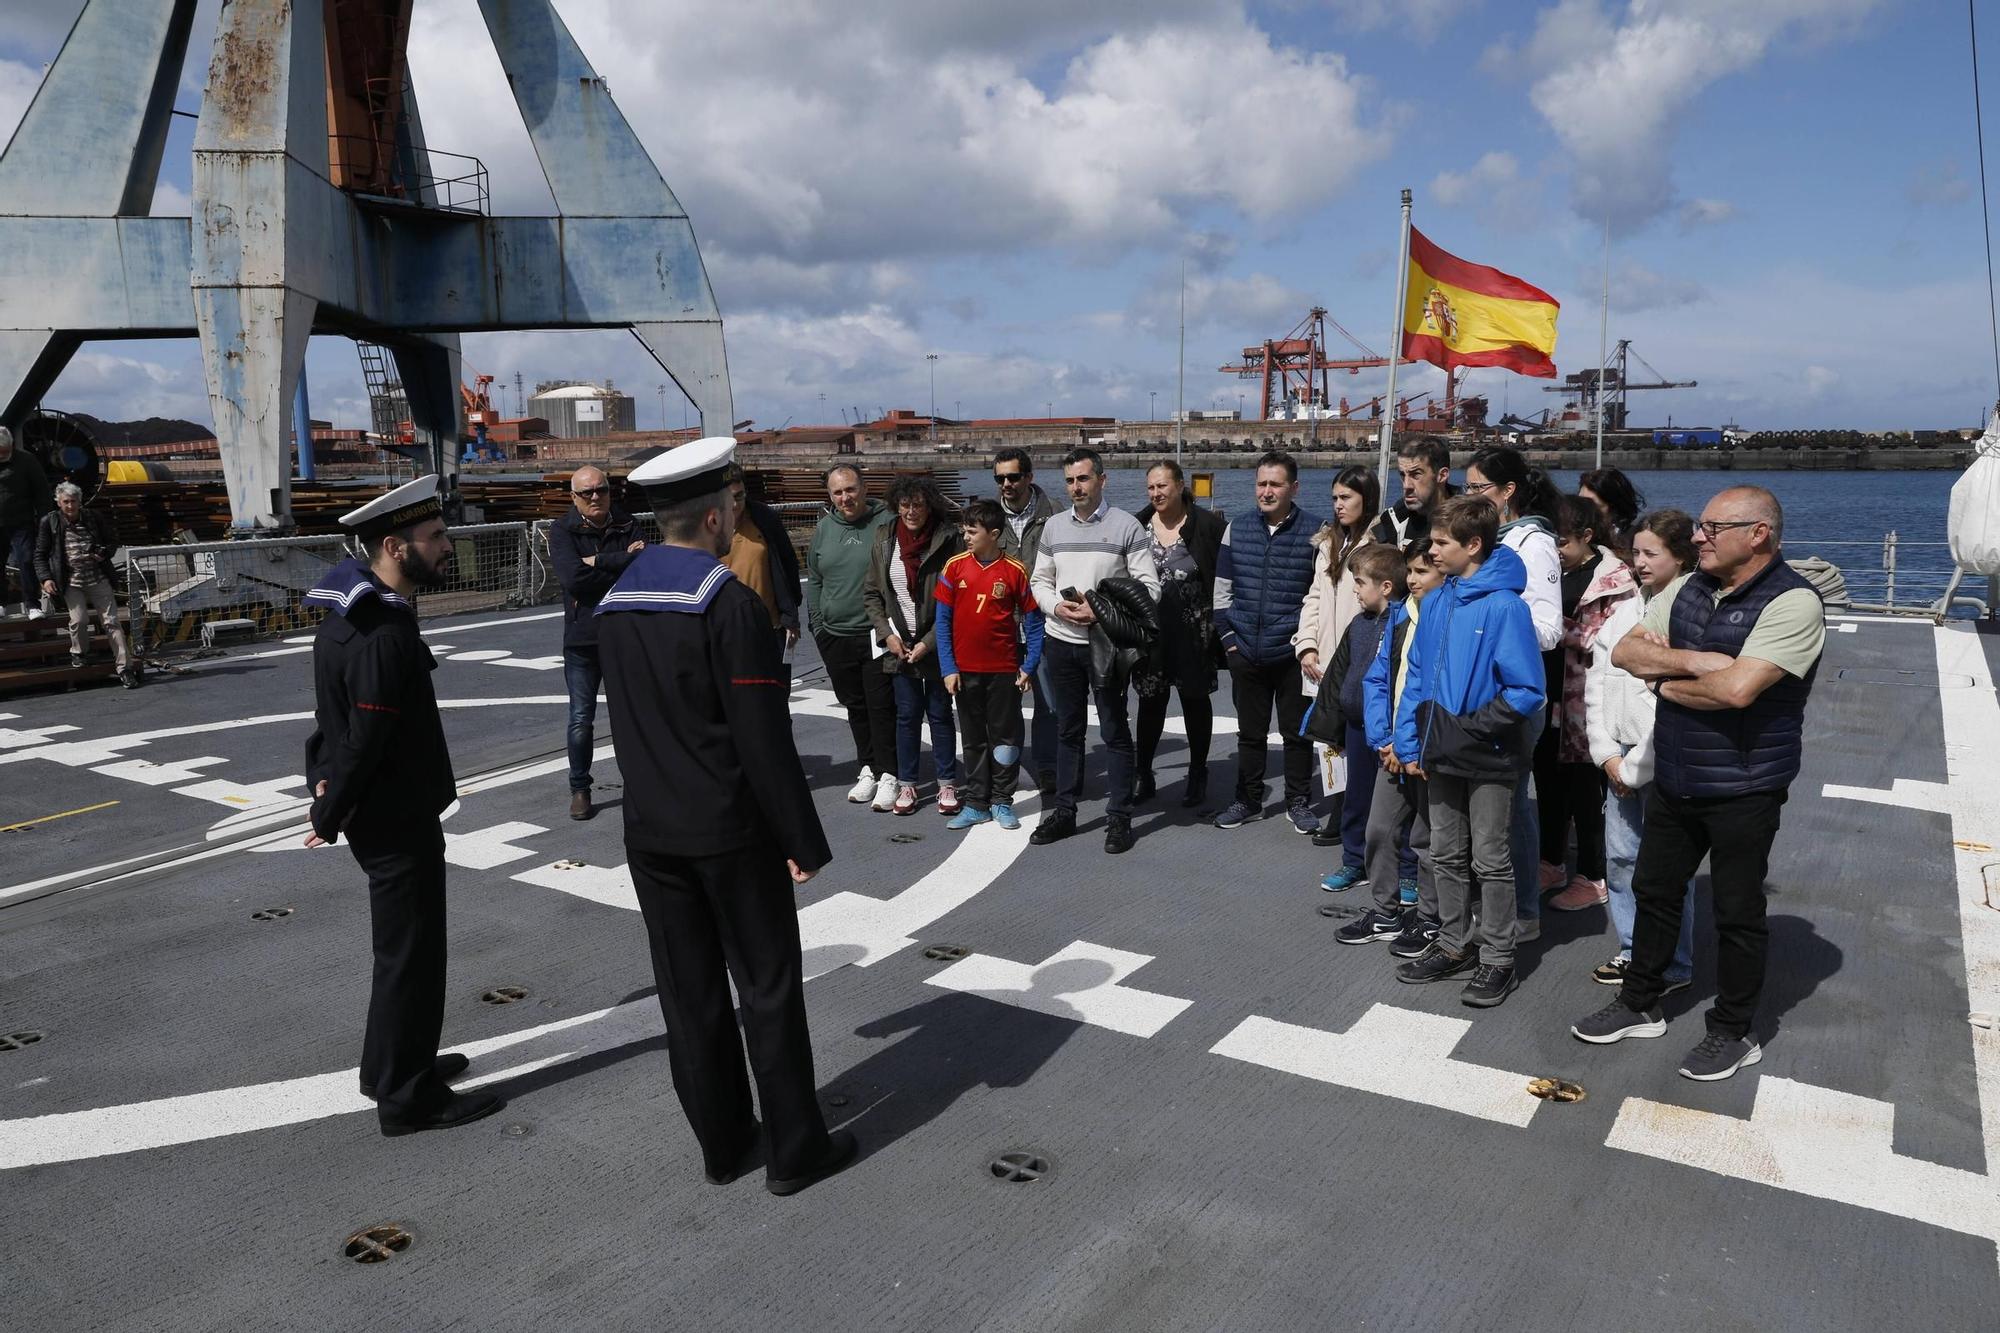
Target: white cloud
(18, 82)
(1424, 19)
(1705, 213)
(1614, 90)
(1492, 172)
(1634, 288)
(1255, 306)
(1818, 381)
(171, 201)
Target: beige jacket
(1618, 707)
(1329, 603)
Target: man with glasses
(1425, 468)
(1730, 651)
(590, 547)
(1027, 508)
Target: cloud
(1424, 19)
(1634, 288)
(1817, 381)
(1249, 308)
(171, 201)
(1697, 213)
(1495, 187)
(1614, 90)
(1938, 185)
(18, 82)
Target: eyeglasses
(592, 492)
(1712, 530)
(1480, 487)
(1009, 478)
(912, 503)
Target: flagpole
(1603, 332)
(1180, 390)
(1395, 351)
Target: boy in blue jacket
(1471, 709)
(1381, 582)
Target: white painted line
(147, 773)
(12, 738)
(479, 655)
(1390, 1052)
(1080, 982)
(491, 624)
(483, 849)
(531, 663)
(609, 885)
(252, 796)
(1907, 793)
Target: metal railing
(426, 178)
(1893, 575)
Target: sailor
(380, 773)
(719, 826)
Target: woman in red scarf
(899, 599)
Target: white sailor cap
(688, 471)
(412, 502)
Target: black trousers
(1258, 685)
(989, 737)
(868, 695)
(710, 919)
(1552, 796)
(1196, 712)
(1069, 679)
(405, 869)
(1735, 833)
(1579, 801)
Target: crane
(1294, 368)
(1609, 383)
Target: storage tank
(577, 411)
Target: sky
(1791, 188)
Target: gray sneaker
(1302, 817)
(1614, 1022)
(1717, 1057)
(1238, 814)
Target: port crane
(1608, 385)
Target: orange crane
(1290, 365)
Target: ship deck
(1245, 1125)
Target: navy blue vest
(1269, 579)
(1732, 751)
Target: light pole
(1239, 407)
(1051, 413)
(663, 407)
(822, 408)
(930, 360)
(1152, 413)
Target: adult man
(380, 773)
(24, 498)
(1027, 509)
(73, 550)
(590, 546)
(1261, 578)
(1731, 651)
(1425, 466)
(836, 571)
(719, 825)
(762, 556)
(1079, 549)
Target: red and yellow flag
(1460, 314)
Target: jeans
(918, 694)
(17, 548)
(1042, 744)
(1256, 687)
(1735, 834)
(1523, 844)
(1624, 816)
(1469, 843)
(583, 674)
(867, 693)
(1070, 684)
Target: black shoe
(841, 1151)
(1717, 1057)
(1197, 788)
(76, 661)
(461, 1108)
(1372, 925)
(1118, 835)
(1436, 963)
(1055, 826)
(746, 1161)
(129, 678)
(1416, 936)
(1615, 1022)
(1328, 834)
(1144, 788)
(1489, 986)
(449, 1066)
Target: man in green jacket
(24, 497)
(836, 568)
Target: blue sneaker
(1343, 879)
(1237, 815)
(1302, 817)
(1004, 816)
(1406, 892)
(969, 818)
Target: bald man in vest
(1730, 651)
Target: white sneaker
(885, 792)
(864, 786)
(36, 613)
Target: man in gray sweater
(1079, 550)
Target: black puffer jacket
(1127, 625)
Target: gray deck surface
(1190, 1189)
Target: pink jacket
(1610, 585)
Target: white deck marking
(1082, 981)
(1907, 793)
(1390, 1052)
(479, 654)
(531, 663)
(250, 796)
(14, 738)
(609, 885)
(150, 774)
(483, 849)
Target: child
(1594, 583)
(1398, 826)
(1471, 709)
(982, 595)
(1620, 710)
(1380, 578)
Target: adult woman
(1185, 541)
(1619, 711)
(1331, 601)
(1620, 500)
(1527, 503)
(901, 602)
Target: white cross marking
(1081, 981)
(483, 849)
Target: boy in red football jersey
(985, 617)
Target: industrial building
(579, 410)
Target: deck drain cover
(1555, 1090)
(271, 913)
(1019, 1166)
(946, 953)
(838, 1099)
(503, 995)
(372, 1245)
(518, 1131)
(14, 1041)
(906, 837)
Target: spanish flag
(1460, 314)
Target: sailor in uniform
(380, 774)
(719, 826)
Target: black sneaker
(1610, 973)
(1055, 826)
(1117, 835)
(1489, 986)
(1144, 788)
(1436, 963)
(1328, 834)
(1372, 925)
(1717, 1057)
(1614, 1022)
(1416, 936)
